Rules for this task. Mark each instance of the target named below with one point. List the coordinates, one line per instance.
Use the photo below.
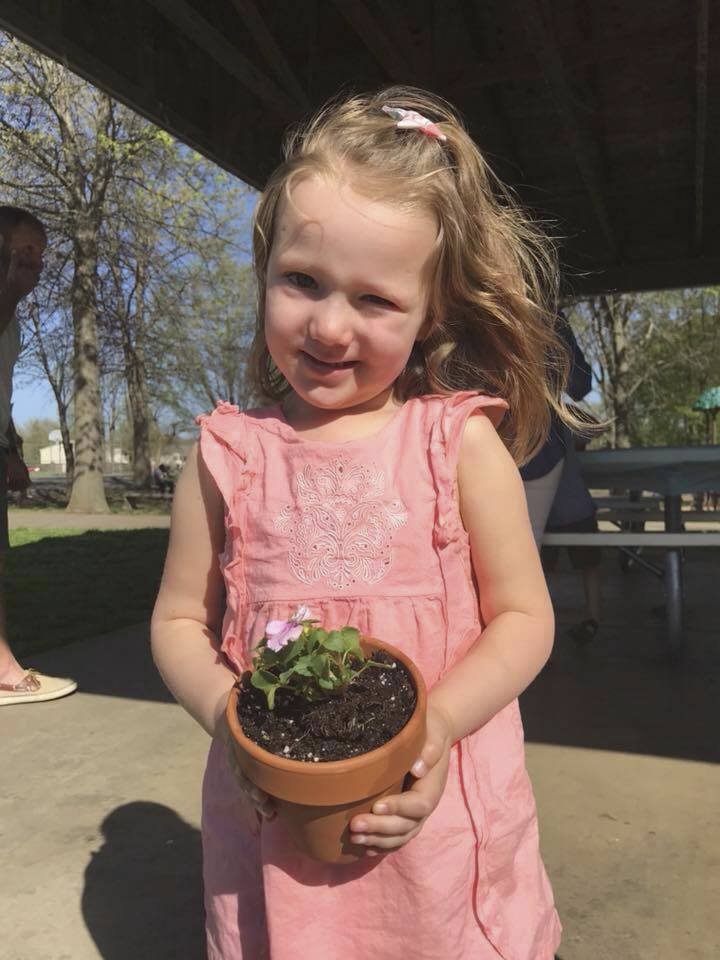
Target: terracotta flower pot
(316, 801)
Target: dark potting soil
(373, 708)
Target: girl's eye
(380, 301)
(301, 280)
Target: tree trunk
(62, 410)
(612, 319)
(137, 383)
(88, 489)
(66, 439)
(140, 418)
(621, 394)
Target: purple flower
(279, 633)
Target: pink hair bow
(412, 120)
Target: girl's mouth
(326, 367)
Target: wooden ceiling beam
(391, 12)
(627, 187)
(509, 68)
(487, 125)
(548, 54)
(701, 85)
(382, 47)
(269, 48)
(644, 275)
(46, 35)
(205, 36)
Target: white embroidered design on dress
(341, 528)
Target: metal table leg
(673, 578)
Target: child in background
(402, 314)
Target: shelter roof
(604, 117)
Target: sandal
(583, 632)
(35, 687)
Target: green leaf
(301, 667)
(335, 641)
(326, 684)
(315, 639)
(268, 683)
(351, 639)
(319, 665)
(294, 649)
(267, 657)
(262, 679)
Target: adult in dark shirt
(541, 475)
(573, 511)
(22, 245)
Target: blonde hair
(492, 302)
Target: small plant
(311, 662)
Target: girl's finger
(429, 756)
(377, 842)
(267, 811)
(260, 800)
(384, 826)
(409, 804)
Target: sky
(32, 401)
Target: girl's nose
(331, 322)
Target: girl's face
(346, 294)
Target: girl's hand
(261, 802)
(395, 820)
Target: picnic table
(669, 472)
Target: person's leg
(592, 584)
(540, 494)
(587, 560)
(18, 685)
(10, 669)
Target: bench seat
(628, 539)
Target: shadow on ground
(117, 664)
(621, 692)
(143, 891)
(62, 588)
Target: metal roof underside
(604, 116)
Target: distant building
(53, 455)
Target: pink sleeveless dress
(368, 532)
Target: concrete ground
(99, 811)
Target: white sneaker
(35, 687)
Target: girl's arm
(189, 608)
(514, 600)
(516, 642)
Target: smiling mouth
(327, 365)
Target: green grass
(66, 585)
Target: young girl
(411, 357)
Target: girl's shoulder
(445, 417)
(451, 411)
(224, 408)
(227, 446)
(227, 418)
(441, 415)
